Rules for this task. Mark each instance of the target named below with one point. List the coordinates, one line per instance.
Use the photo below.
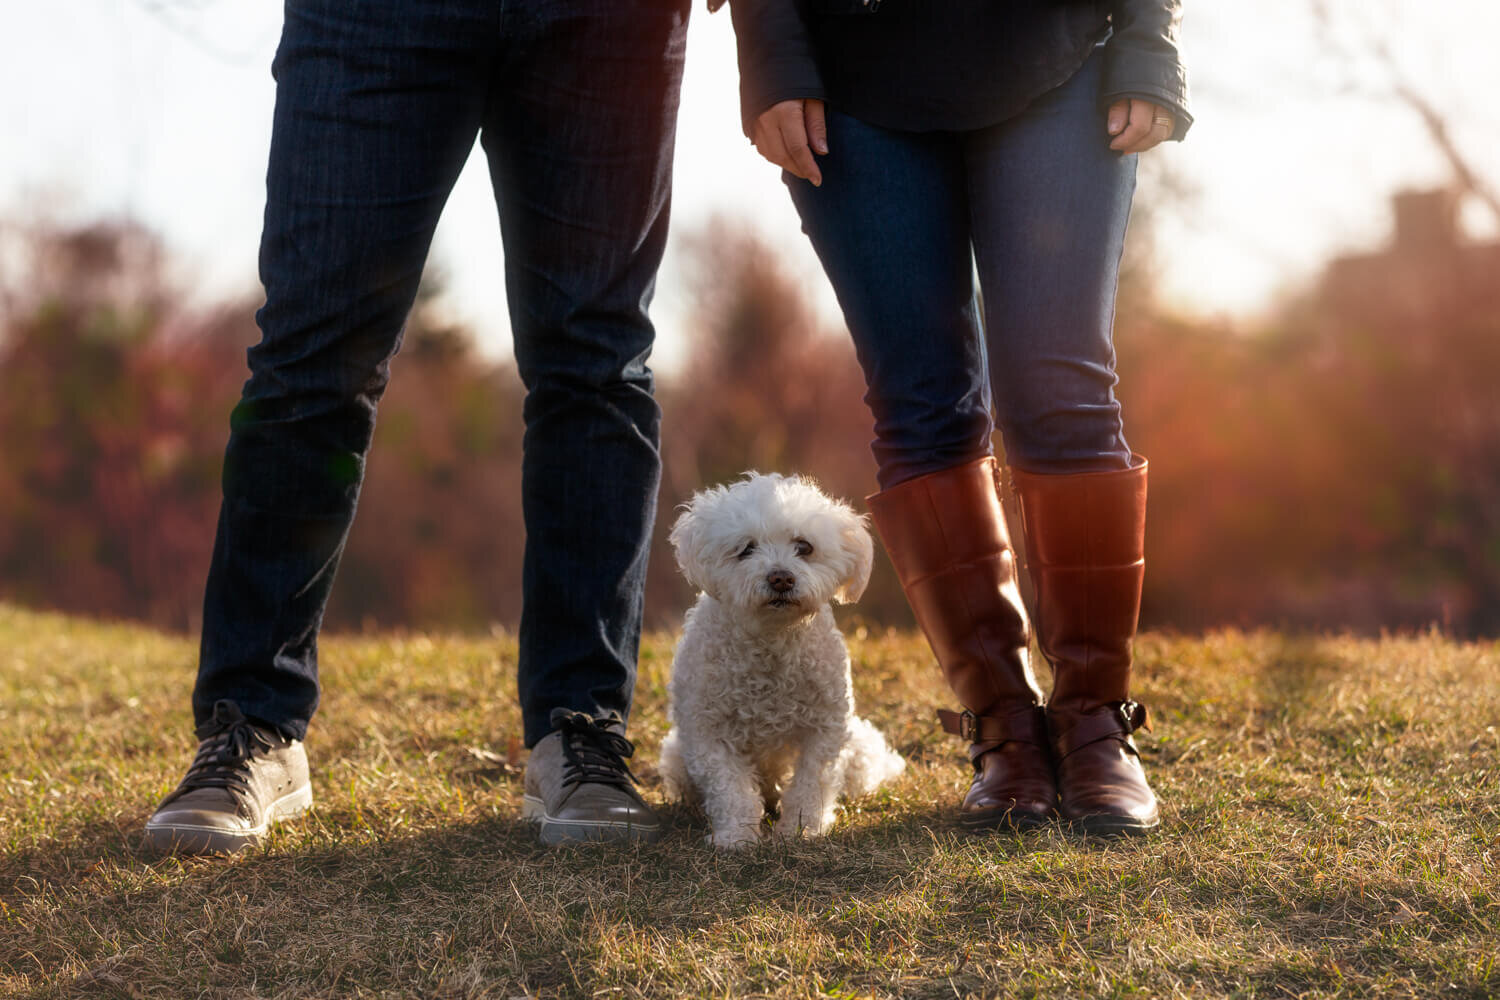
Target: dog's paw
(793, 826)
(734, 838)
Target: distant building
(1429, 269)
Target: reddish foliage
(1342, 470)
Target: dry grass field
(1331, 829)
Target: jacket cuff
(1141, 57)
(775, 56)
(790, 87)
(1182, 118)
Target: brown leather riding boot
(946, 536)
(1085, 550)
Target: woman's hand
(1137, 125)
(789, 133)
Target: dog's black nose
(780, 580)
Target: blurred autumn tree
(111, 424)
(438, 539)
(765, 389)
(1340, 469)
(114, 412)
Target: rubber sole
(1101, 825)
(551, 830)
(182, 838)
(1002, 819)
(1112, 826)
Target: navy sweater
(921, 65)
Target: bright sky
(110, 108)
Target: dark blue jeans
(378, 104)
(1039, 203)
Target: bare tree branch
(1468, 181)
(1401, 87)
(170, 14)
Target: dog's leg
(868, 759)
(731, 794)
(775, 768)
(674, 776)
(808, 805)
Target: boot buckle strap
(1025, 726)
(1117, 721)
(965, 725)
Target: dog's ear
(686, 537)
(857, 542)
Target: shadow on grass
(333, 903)
(1298, 675)
(478, 908)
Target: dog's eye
(804, 547)
(745, 552)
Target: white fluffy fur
(762, 707)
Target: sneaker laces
(228, 742)
(595, 754)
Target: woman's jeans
(377, 108)
(1039, 203)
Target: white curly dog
(762, 707)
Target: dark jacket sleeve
(776, 56)
(1142, 58)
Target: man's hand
(789, 133)
(1138, 125)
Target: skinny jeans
(378, 105)
(977, 273)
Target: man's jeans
(378, 104)
(1040, 203)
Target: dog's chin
(780, 607)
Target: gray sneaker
(578, 786)
(244, 779)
